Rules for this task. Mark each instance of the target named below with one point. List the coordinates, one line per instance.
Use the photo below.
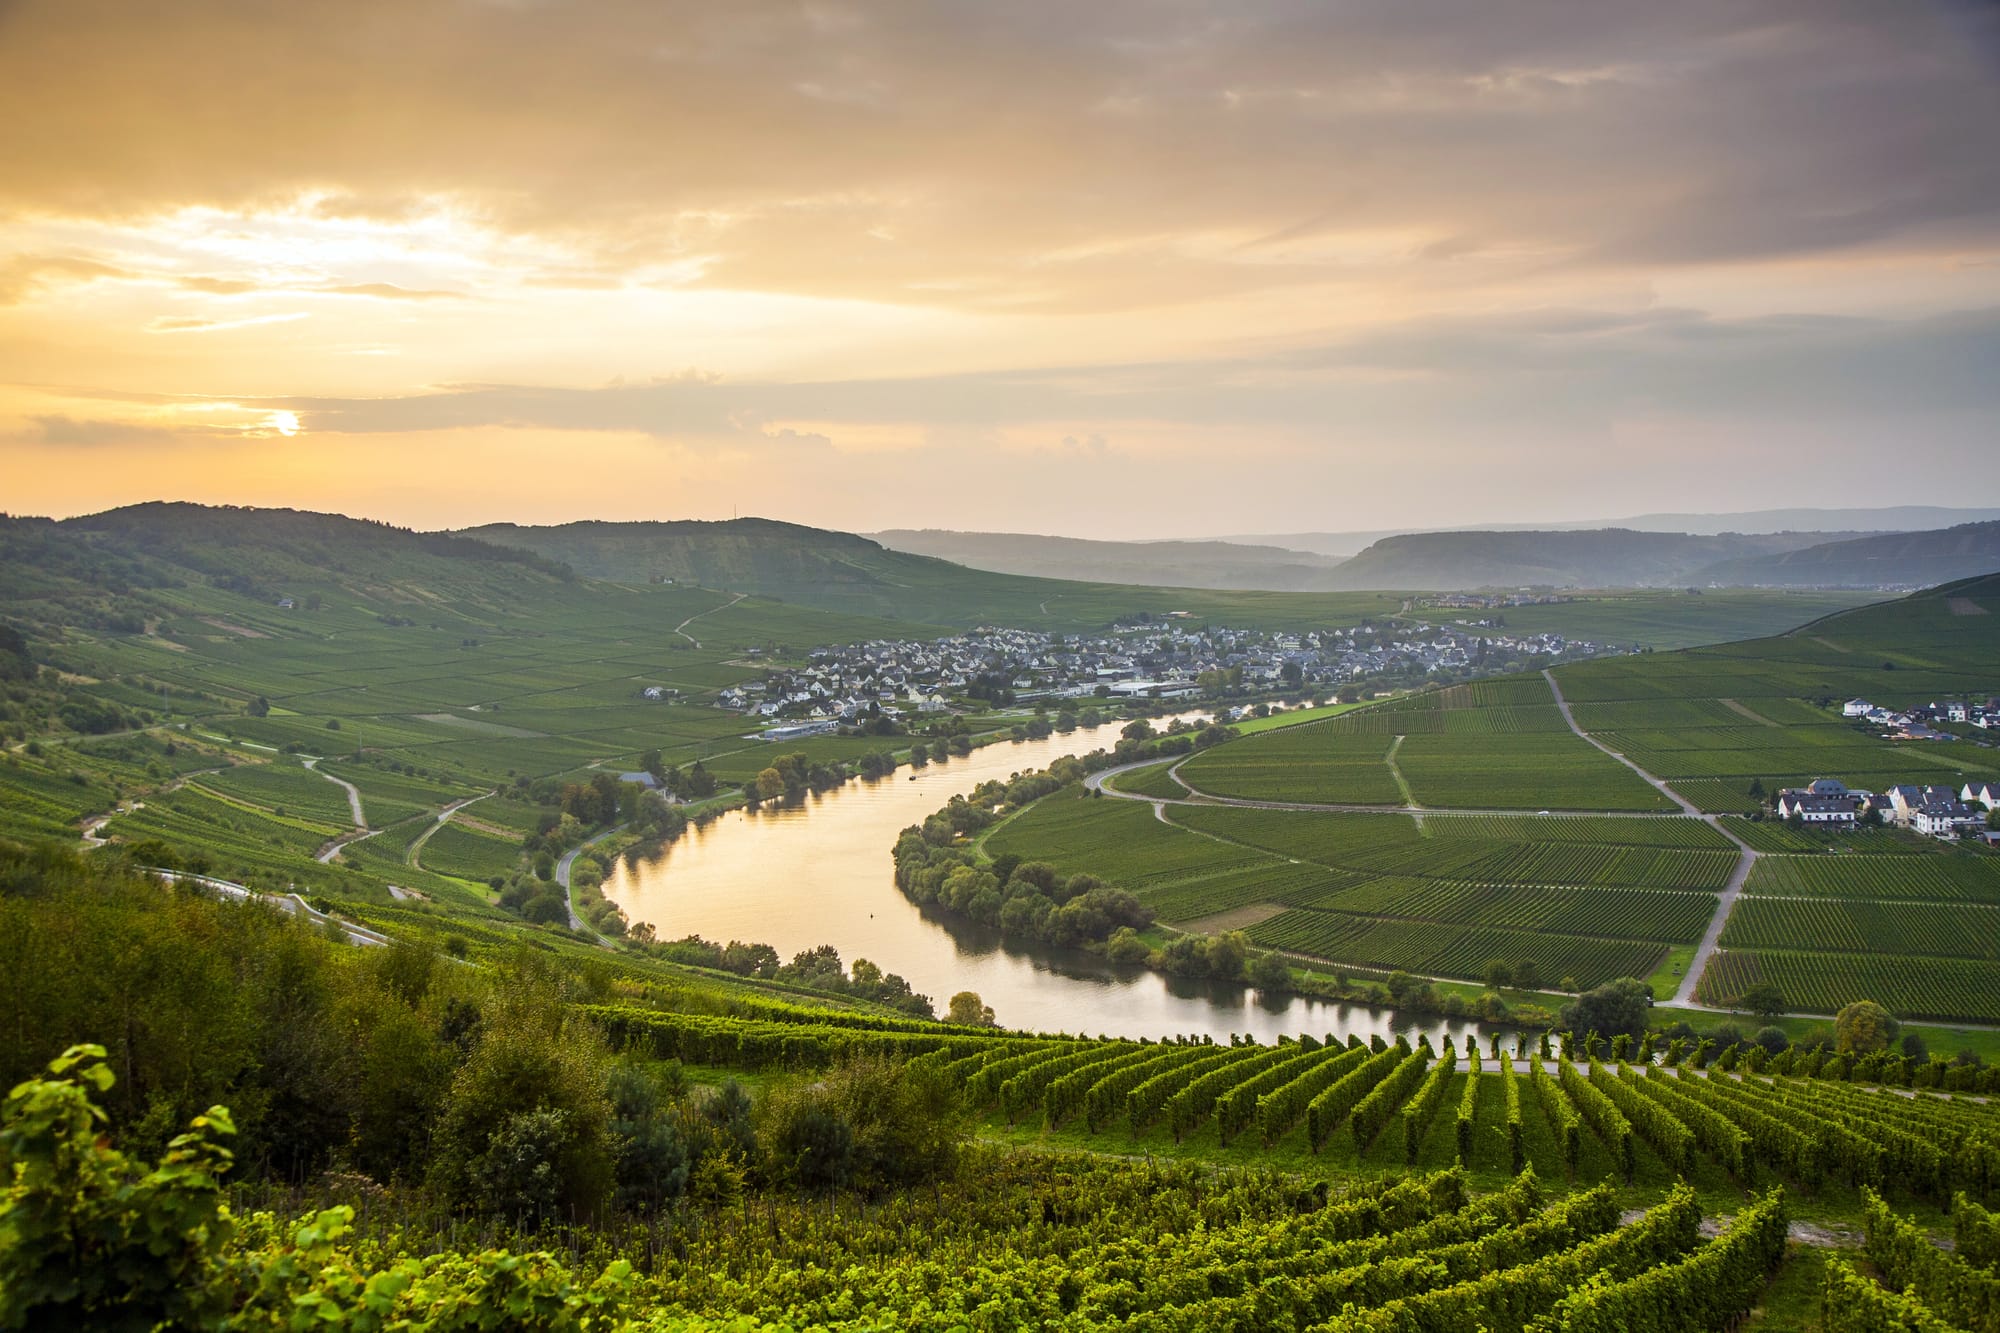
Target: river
(818, 871)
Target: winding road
(326, 854)
(563, 868)
(284, 902)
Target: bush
(867, 1124)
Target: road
(353, 792)
(326, 854)
(562, 877)
(410, 857)
(1683, 996)
(1746, 859)
(1096, 783)
(681, 629)
(284, 902)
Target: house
(1836, 811)
(1856, 708)
(286, 604)
(657, 692)
(1982, 793)
(1946, 819)
(646, 780)
(797, 731)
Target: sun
(285, 423)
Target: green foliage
(867, 1124)
(1709, 1289)
(91, 1237)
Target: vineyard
(1936, 988)
(1380, 1107)
(1918, 933)
(1314, 763)
(1965, 878)
(1453, 949)
(1935, 930)
(1378, 892)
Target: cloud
(1553, 371)
(1035, 155)
(193, 324)
(57, 429)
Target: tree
(1270, 973)
(259, 707)
(770, 785)
(1499, 976)
(1763, 999)
(1863, 1027)
(968, 1010)
(1528, 974)
(1617, 1006)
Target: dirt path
(353, 792)
(1096, 782)
(410, 857)
(1746, 859)
(1402, 783)
(681, 629)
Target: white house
(1984, 793)
(1856, 708)
(1946, 819)
(1836, 811)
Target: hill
(838, 571)
(812, 566)
(1603, 558)
(1896, 559)
(1181, 564)
(1894, 518)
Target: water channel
(818, 871)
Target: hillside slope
(1604, 558)
(1897, 558)
(1183, 564)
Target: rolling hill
(1602, 558)
(1181, 564)
(1908, 559)
(1826, 522)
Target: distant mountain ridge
(1827, 522)
(1181, 564)
(1906, 559)
(1596, 558)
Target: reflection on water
(818, 871)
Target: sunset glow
(873, 267)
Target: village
(1921, 723)
(1936, 812)
(854, 684)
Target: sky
(1131, 268)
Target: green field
(1492, 744)
(1377, 891)
(1888, 916)
(1668, 618)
